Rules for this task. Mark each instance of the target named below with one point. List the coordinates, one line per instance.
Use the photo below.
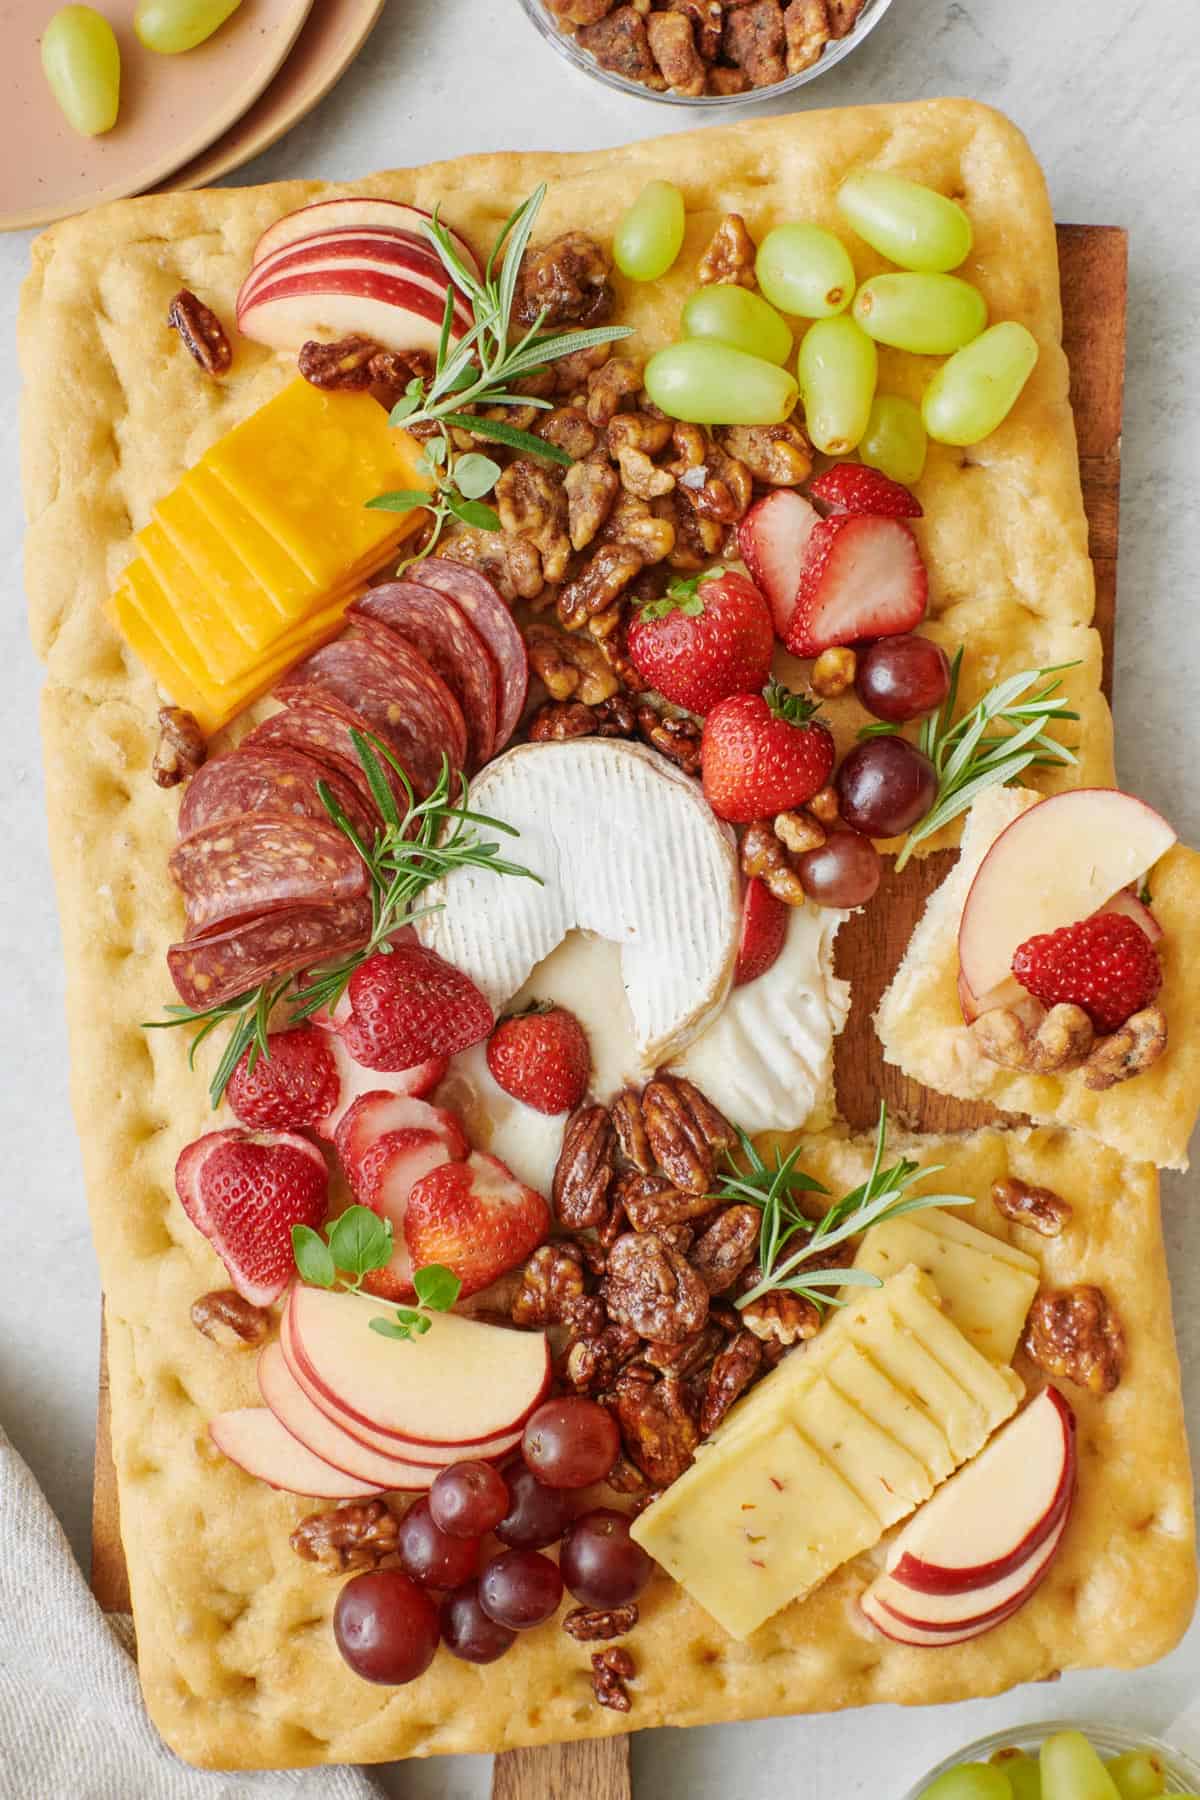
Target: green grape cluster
(1067, 1768)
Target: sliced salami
(436, 626)
(209, 970)
(401, 698)
(317, 723)
(243, 868)
(474, 594)
(258, 778)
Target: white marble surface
(1106, 94)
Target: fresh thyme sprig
(480, 369)
(354, 1245)
(885, 1194)
(970, 754)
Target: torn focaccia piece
(956, 1019)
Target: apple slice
(939, 1633)
(253, 1438)
(461, 1382)
(974, 1606)
(1055, 864)
(383, 255)
(318, 1433)
(385, 244)
(401, 312)
(353, 214)
(1131, 907)
(356, 1081)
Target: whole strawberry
(407, 1005)
(1106, 964)
(296, 1083)
(764, 753)
(244, 1190)
(541, 1057)
(708, 637)
(854, 488)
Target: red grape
(845, 870)
(600, 1562)
(431, 1556)
(538, 1514)
(468, 1632)
(884, 786)
(571, 1442)
(468, 1498)
(520, 1588)
(386, 1627)
(902, 678)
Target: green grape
(173, 26)
(650, 235)
(732, 315)
(804, 270)
(909, 224)
(1071, 1770)
(82, 64)
(970, 1781)
(1138, 1775)
(712, 384)
(977, 389)
(931, 315)
(1022, 1771)
(836, 368)
(895, 440)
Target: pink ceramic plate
(172, 107)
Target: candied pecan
(1040, 1208)
(610, 1229)
(798, 832)
(652, 1288)
(783, 1317)
(727, 82)
(730, 254)
(833, 672)
(625, 1477)
(619, 43)
(201, 331)
(674, 50)
(652, 1203)
(228, 1318)
(696, 1352)
(571, 373)
(727, 1247)
(343, 365)
(551, 1278)
(806, 28)
(676, 737)
(754, 39)
(596, 1359)
(580, 12)
(392, 370)
(611, 1669)
(843, 16)
(512, 566)
(685, 1130)
(1073, 1332)
(585, 1168)
(590, 1623)
(778, 455)
(567, 427)
(354, 1536)
(1140, 1042)
(560, 720)
(569, 666)
(181, 748)
(610, 386)
(630, 1128)
(610, 570)
(706, 18)
(567, 279)
(1061, 1040)
(657, 1427)
(590, 488)
(734, 1368)
(532, 505)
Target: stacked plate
(184, 120)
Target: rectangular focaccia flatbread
(236, 1657)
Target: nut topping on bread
(1073, 1332)
(1138, 1044)
(1040, 1208)
(228, 1318)
(202, 332)
(356, 1536)
(1061, 1039)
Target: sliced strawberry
(764, 931)
(243, 1191)
(542, 1058)
(387, 1174)
(1105, 964)
(375, 1116)
(773, 539)
(475, 1218)
(863, 579)
(355, 1081)
(853, 488)
(294, 1084)
(408, 1005)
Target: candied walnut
(610, 570)
(727, 82)
(571, 373)
(651, 1202)
(674, 50)
(657, 1427)
(779, 455)
(676, 737)
(635, 524)
(824, 806)
(611, 1669)
(695, 540)
(707, 17)
(1140, 1042)
(806, 30)
(619, 43)
(1040, 1208)
(843, 16)
(567, 427)
(610, 386)
(720, 490)
(730, 254)
(651, 1288)
(640, 476)
(1073, 1332)
(566, 280)
(560, 720)
(181, 748)
(1061, 1040)
(694, 1353)
(590, 488)
(637, 431)
(595, 1360)
(727, 1247)
(585, 1168)
(782, 1317)
(589, 1624)
(685, 1131)
(580, 12)
(798, 832)
(764, 855)
(586, 1314)
(345, 364)
(735, 1367)
(551, 1278)
(228, 1318)
(201, 331)
(833, 672)
(511, 564)
(755, 40)
(630, 1128)
(616, 717)
(691, 445)
(355, 1536)
(532, 505)
(570, 667)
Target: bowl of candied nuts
(705, 52)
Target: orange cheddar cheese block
(214, 560)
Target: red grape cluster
(388, 1624)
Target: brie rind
(626, 848)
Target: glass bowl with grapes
(1062, 1761)
(834, 51)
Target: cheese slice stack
(986, 1285)
(840, 1442)
(253, 559)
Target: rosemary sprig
(885, 1194)
(1002, 735)
(481, 369)
(249, 1016)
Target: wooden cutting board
(1092, 261)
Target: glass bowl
(835, 52)
(1183, 1775)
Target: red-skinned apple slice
(1055, 864)
(975, 1606)
(333, 244)
(1132, 908)
(939, 1633)
(319, 1434)
(356, 1081)
(401, 312)
(995, 1513)
(381, 256)
(253, 1438)
(353, 214)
